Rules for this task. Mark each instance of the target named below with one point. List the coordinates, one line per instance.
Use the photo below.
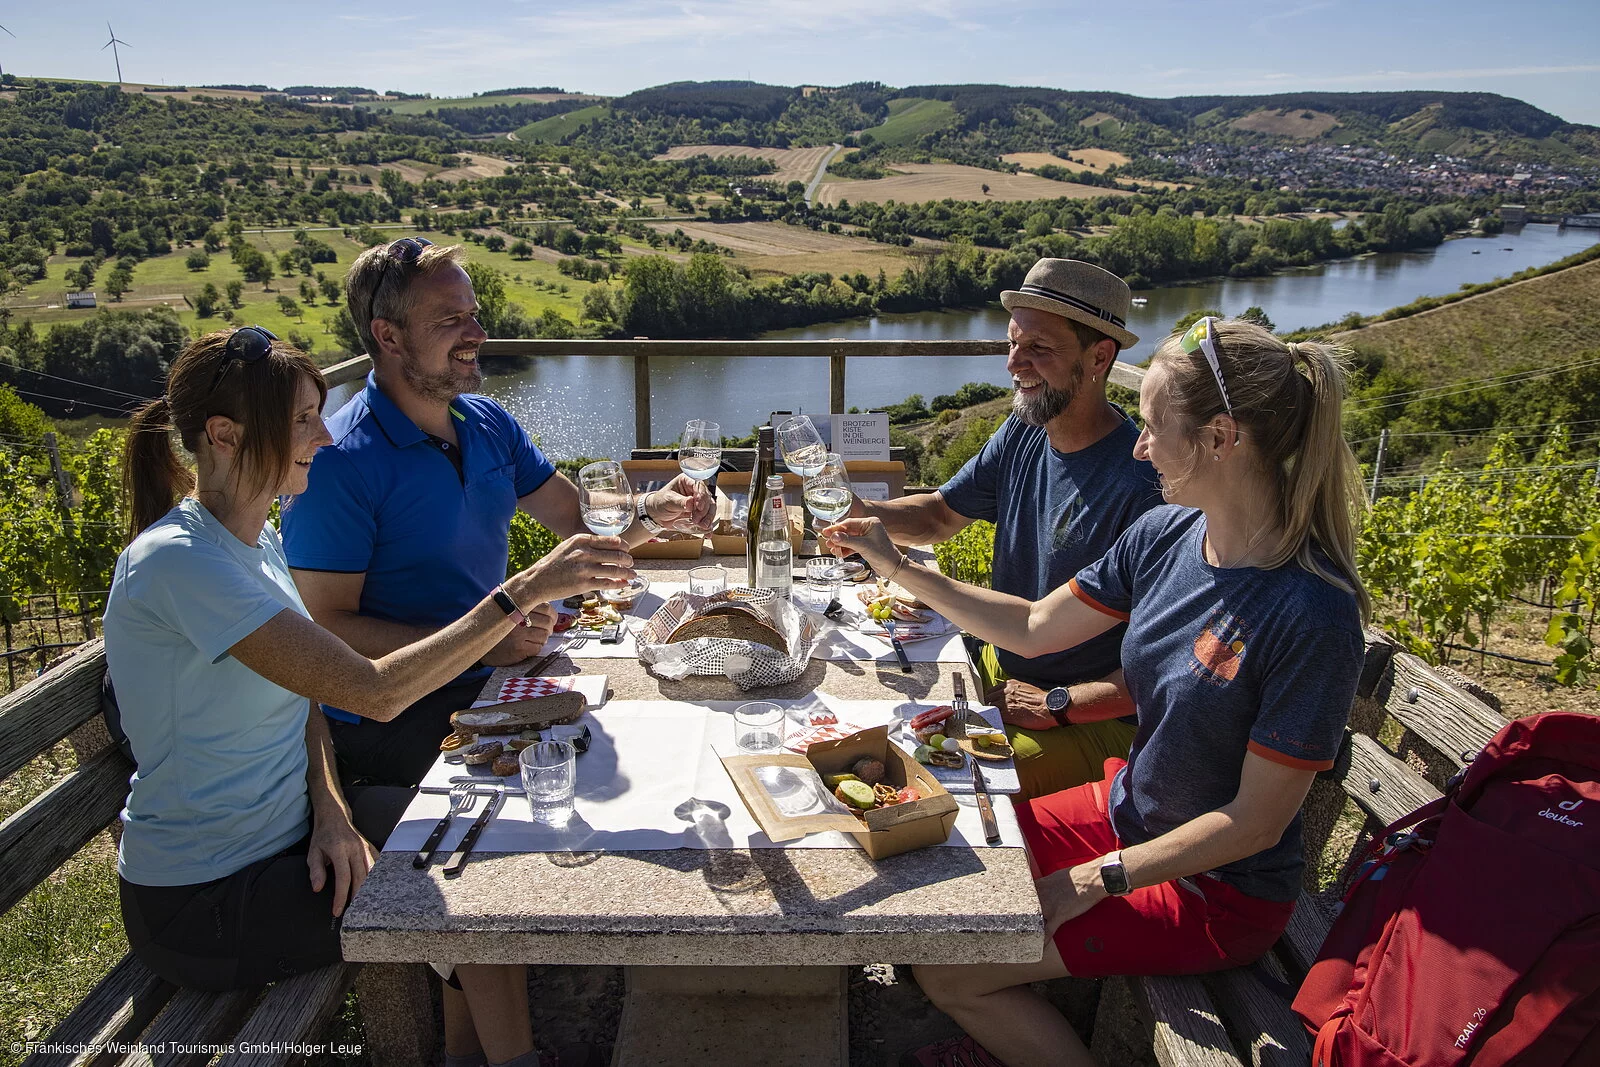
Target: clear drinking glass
(549, 775)
(605, 498)
(803, 450)
(758, 727)
(823, 580)
(827, 492)
(700, 450)
(708, 581)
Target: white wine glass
(700, 450)
(605, 498)
(827, 492)
(803, 450)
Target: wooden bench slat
(1270, 1034)
(1188, 1030)
(50, 707)
(192, 1021)
(1452, 721)
(116, 1011)
(1302, 938)
(294, 1010)
(1400, 790)
(60, 821)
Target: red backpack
(1473, 937)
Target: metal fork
(460, 801)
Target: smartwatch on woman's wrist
(509, 606)
(1114, 876)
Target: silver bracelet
(904, 559)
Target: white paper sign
(861, 436)
(871, 490)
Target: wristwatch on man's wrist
(651, 526)
(1056, 702)
(1113, 876)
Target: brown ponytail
(152, 474)
(1287, 399)
(205, 381)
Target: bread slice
(518, 715)
(738, 624)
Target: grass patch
(558, 126)
(66, 935)
(532, 284)
(910, 118)
(422, 107)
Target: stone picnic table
(720, 947)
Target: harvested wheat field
(794, 164)
(1286, 122)
(476, 167)
(1078, 158)
(776, 248)
(914, 183)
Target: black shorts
(400, 751)
(257, 925)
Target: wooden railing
(835, 351)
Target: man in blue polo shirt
(1059, 481)
(404, 524)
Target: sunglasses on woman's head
(1199, 339)
(248, 344)
(404, 252)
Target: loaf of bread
(517, 715)
(737, 622)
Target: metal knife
(533, 672)
(458, 858)
(425, 853)
(485, 784)
(980, 789)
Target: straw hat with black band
(1078, 291)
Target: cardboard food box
(787, 805)
(669, 548)
(734, 544)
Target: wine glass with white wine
(828, 496)
(605, 498)
(700, 450)
(801, 444)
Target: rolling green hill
(910, 118)
(558, 126)
(422, 107)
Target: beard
(1048, 403)
(442, 387)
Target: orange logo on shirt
(1220, 649)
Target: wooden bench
(1410, 729)
(131, 1006)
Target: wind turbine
(112, 44)
(10, 35)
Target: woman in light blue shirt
(239, 850)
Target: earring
(1216, 457)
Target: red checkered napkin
(526, 688)
(812, 735)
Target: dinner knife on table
(980, 789)
(458, 858)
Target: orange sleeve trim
(1077, 591)
(1289, 761)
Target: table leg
(691, 1016)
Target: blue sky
(1547, 53)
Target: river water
(583, 405)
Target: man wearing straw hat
(1059, 481)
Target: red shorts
(1188, 926)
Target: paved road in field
(822, 168)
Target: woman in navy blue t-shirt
(1243, 649)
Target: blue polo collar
(395, 424)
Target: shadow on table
(887, 673)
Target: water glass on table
(707, 581)
(549, 776)
(823, 581)
(758, 727)
(605, 498)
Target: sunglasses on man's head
(403, 252)
(248, 344)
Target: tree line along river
(583, 405)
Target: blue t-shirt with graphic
(1220, 662)
(1054, 514)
